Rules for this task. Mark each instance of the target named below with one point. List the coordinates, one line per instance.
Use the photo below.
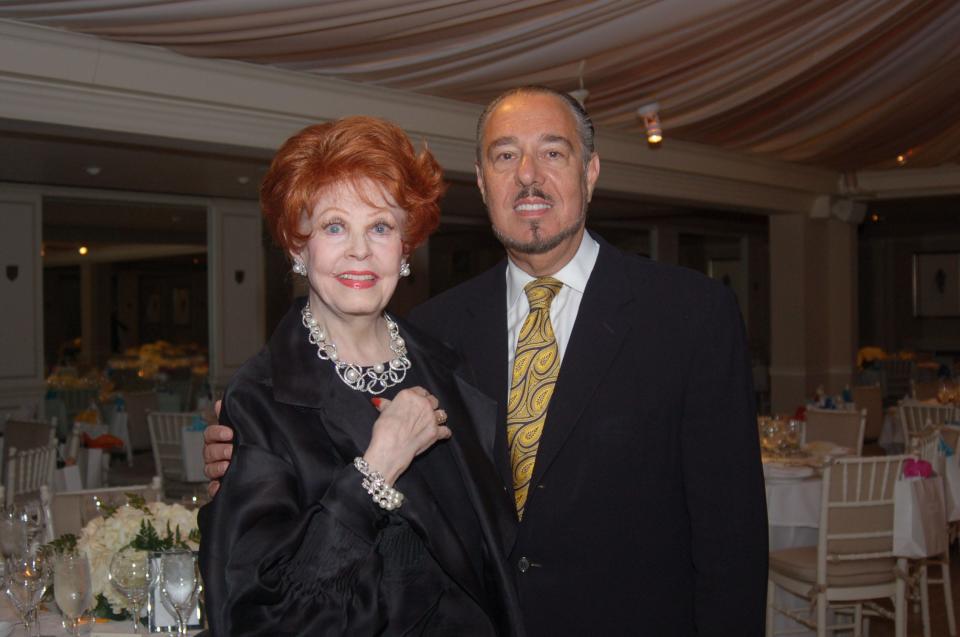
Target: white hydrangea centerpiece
(149, 526)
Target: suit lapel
(598, 332)
(483, 342)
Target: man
(629, 448)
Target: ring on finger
(441, 416)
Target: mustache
(532, 191)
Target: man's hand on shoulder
(217, 450)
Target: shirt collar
(573, 275)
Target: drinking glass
(791, 436)
(28, 575)
(72, 588)
(179, 584)
(132, 574)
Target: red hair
(350, 150)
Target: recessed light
(92, 170)
(82, 250)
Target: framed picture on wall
(936, 284)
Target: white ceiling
(845, 85)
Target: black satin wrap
(293, 545)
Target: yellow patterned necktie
(535, 369)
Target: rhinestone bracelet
(384, 495)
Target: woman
(359, 500)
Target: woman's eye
(333, 228)
(381, 228)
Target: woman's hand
(408, 425)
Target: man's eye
(505, 156)
(554, 154)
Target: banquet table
(51, 623)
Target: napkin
(916, 468)
(105, 441)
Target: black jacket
(293, 545)
(646, 512)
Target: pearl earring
(404, 268)
(299, 267)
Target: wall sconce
(650, 114)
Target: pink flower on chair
(916, 468)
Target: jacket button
(523, 564)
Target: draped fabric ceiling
(840, 84)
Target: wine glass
(791, 436)
(72, 588)
(179, 584)
(28, 575)
(132, 574)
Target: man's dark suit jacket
(646, 512)
(293, 545)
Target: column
(21, 297)
(235, 287)
(813, 307)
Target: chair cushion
(801, 563)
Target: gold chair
(852, 564)
(842, 427)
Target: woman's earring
(299, 267)
(404, 268)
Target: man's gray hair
(585, 130)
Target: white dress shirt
(563, 310)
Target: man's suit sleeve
(723, 477)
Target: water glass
(133, 575)
(72, 588)
(179, 584)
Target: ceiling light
(650, 114)
(83, 250)
(93, 170)
(901, 160)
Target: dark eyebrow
(549, 138)
(502, 141)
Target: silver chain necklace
(375, 379)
